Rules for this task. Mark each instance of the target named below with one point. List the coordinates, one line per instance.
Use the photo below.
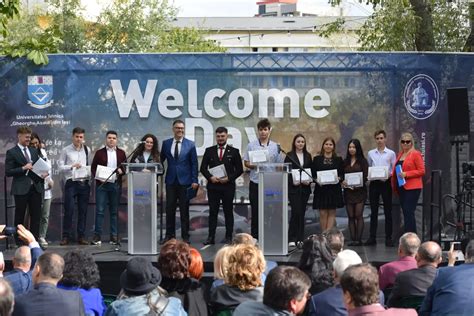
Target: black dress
(327, 196)
(356, 195)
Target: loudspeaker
(458, 112)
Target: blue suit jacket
(451, 293)
(185, 169)
(20, 281)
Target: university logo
(40, 91)
(421, 96)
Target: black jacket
(14, 161)
(189, 291)
(232, 162)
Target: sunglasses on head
(405, 141)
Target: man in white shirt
(378, 157)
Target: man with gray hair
(416, 282)
(452, 290)
(407, 249)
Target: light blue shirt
(274, 155)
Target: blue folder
(401, 181)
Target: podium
(142, 207)
(273, 208)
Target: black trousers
(215, 196)
(298, 202)
(176, 196)
(253, 197)
(376, 189)
(33, 200)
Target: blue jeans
(75, 190)
(106, 194)
(408, 201)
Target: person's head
(22, 258)
(428, 253)
(380, 138)
(23, 134)
(78, 136)
(80, 270)
(7, 299)
(221, 262)
(48, 268)
(196, 266)
(221, 135)
(150, 145)
(335, 240)
(328, 147)
(299, 143)
(245, 267)
(111, 139)
(140, 277)
(178, 129)
(408, 245)
(360, 285)
(244, 238)
(469, 252)
(345, 259)
(174, 259)
(316, 260)
(35, 141)
(264, 128)
(287, 288)
(406, 142)
(354, 149)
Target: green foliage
(8, 10)
(328, 29)
(186, 40)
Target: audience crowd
(328, 280)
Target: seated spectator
(220, 265)
(141, 294)
(286, 293)
(196, 266)
(316, 262)
(45, 298)
(360, 287)
(335, 240)
(330, 302)
(408, 246)
(173, 262)
(416, 282)
(20, 278)
(452, 290)
(82, 274)
(243, 279)
(6, 298)
(247, 239)
(2, 264)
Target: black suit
(414, 282)
(27, 187)
(217, 191)
(47, 300)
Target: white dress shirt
(112, 157)
(385, 158)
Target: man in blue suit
(181, 177)
(452, 290)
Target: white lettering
(209, 103)
(315, 98)
(134, 95)
(192, 99)
(247, 99)
(278, 99)
(169, 98)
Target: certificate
(295, 173)
(327, 177)
(354, 179)
(257, 156)
(218, 171)
(378, 173)
(41, 167)
(82, 173)
(103, 172)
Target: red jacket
(414, 168)
(100, 158)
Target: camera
(9, 231)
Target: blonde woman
(220, 266)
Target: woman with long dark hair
(148, 151)
(298, 191)
(355, 196)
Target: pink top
(377, 309)
(388, 272)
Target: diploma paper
(378, 173)
(41, 167)
(327, 177)
(304, 176)
(103, 172)
(257, 156)
(354, 179)
(82, 173)
(218, 171)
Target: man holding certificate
(261, 150)
(381, 163)
(108, 185)
(221, 165)
(27, 186)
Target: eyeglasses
(406, 142)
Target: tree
(8, 10)
(186, 40)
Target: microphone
(141, 142)
(280, 150)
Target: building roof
(264, 23)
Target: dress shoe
(166, 239)
(209, 241)
(370, 242)
(96, 240)
(389, 243)
(113, 240)
(64, 241)
(291, 244)
(42, 242)
(82, 241)
(226, 241)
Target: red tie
(220, 152)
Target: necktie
(25, 152)
(220, 152)
(176, 152)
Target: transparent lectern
(273, 207)
(142, 207)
